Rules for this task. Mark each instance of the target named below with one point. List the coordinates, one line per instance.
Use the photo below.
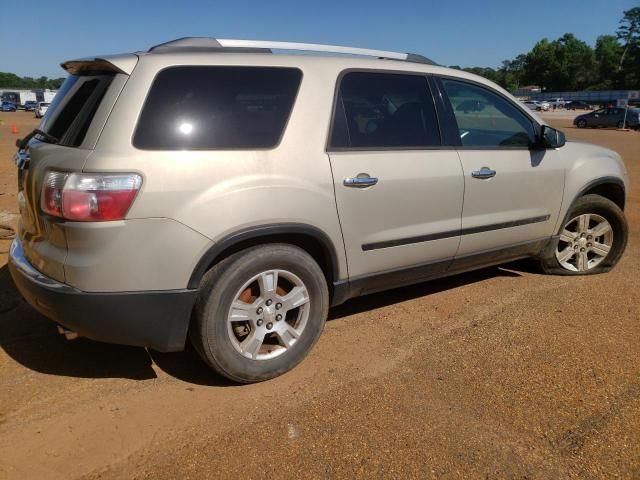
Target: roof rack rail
(266, 46)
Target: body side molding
(453, 233)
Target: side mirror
(551, 138)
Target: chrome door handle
(361, 181)
(484, 172)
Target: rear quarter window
(74, 107)
(217, 108)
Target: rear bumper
(155, 319)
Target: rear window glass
(216, 108)
(70, 114)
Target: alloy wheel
(585, 241)
(268, 314)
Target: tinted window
(485, 119)
(376, 110)
(70, 114)
(208, 108)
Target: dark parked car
(576, 105)
(30, 105)
(608, 117)
(8, 107)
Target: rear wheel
(592, 239)
(259, 312)
(621, 124)
(581, 123)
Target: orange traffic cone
(14, 129)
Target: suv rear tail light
(89, 197)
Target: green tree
(486, 72)
(608, 53)
(55, 83)
(578, 62)
(510, 74)
(11, 80)
(541, 64)
(564, 64)
(629, 35)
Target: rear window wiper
(22, 143)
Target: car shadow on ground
(34, 342)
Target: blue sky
(41, 34)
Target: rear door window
(73, 108)
(384, 110)
(215, 108)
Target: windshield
(70, 114)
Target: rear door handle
(362, 180)
(484, 172)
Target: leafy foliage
(568, 63)
(629, 35)
(11, 80)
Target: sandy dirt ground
(500, 373)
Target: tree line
(569, 64)
(11, 80)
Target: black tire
(208, 331)
(621, 124)
(581, 123)
(594, 204)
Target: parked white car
(41, 109)
(544, 105)
(557, 102)
(532, 105)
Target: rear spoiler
(124, 63)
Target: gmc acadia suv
(214, 190)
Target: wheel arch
(311, 239)
(611, 188)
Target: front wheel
(592, 239)
(582, 123)
(621, 124)
(259, 312)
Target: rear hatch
(74, 119)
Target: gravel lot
(500, 373)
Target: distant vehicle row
(39, 108)
(556, 103)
